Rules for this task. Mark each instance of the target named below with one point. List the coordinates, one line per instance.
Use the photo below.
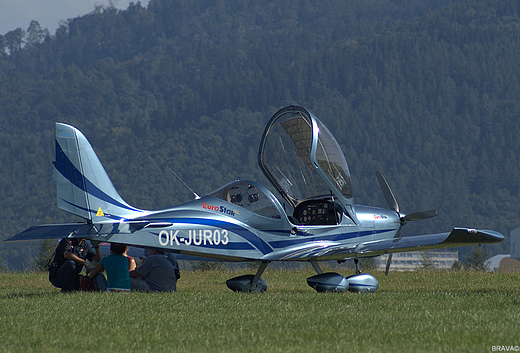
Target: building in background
(413, 260)
(507, 262)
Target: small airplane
(316, 220)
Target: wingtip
(474, 236)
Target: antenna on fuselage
(178, 177)
(182, 181)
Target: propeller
(388, 194)
(417, 216)
(393, 205)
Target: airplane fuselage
(221, 230)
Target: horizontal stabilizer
(83, 230)
(52, 231)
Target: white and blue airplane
(316, 220)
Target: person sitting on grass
(70, 257)
(116, 266)
(156, 274)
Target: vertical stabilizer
(83, 186)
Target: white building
(412, 260)
(493, 264)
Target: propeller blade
(388, 264)
(417, 216)
(389, 196)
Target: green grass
(411, 312)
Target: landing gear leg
(316, 266)
(249, 283)
(254, 282)
(356, 261)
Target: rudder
(83, 186)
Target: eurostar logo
(221, 209)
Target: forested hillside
(428, 92)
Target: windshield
(301, 157)
(332, 161)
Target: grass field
(411, 312)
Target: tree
(35, 33)
(427, 262)
(476, 260)
(14, 40)
(45, 251)
(456, 266)
(2, 45)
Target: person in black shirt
(71, 256)
(157, 273)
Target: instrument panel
(316, 212)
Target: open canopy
(303, 160)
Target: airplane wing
(457, 237)
(334, 251)
(52, 231)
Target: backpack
(52, 265)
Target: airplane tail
(83, 186)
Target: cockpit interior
(317, 212)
